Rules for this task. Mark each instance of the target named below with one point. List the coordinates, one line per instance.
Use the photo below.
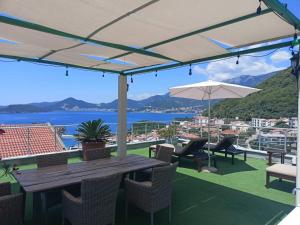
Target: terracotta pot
(87, 146)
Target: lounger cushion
(282, 169)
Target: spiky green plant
(92, 131)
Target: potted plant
(168, 133)
(93, 134)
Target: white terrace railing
(248, 137)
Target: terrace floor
(234, 195)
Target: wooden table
(272, 153)
(37, 181)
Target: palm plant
(93, 131)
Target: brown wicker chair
(152, 196)
(97, 153)
(51, 198)
(97, 203)
(52, 160)
(11, 206)
(163, 153)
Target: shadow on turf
(283, 185)
(223, 164)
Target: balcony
(234, 195)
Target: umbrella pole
(208, 135)
(209, 168)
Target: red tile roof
(28, 139)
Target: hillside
(278, 98)
(250, 81)
(155, 102)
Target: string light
(67, 71)
(190, 70)
(131, 79)
(155, 73)
(258, 10)
(103, 74)
(238, 60)
(295, 35)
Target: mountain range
(154, 103)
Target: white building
(293, 122)
(260, 122)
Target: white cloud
(227, 68)
(280, 56)
(141, 96)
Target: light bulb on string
(156, 73)
(67, 71)
(238, 60)
(131, 79)
(190, 70)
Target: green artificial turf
(233, 196)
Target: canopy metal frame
(274, 6)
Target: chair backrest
(194, 145)
(162, 180)
(164, 153)
(97, 153)
(5, 189)
(225, 143)
(99, 197)
(52, 160)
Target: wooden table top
(42, 179)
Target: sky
(23, 82)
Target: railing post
(285, 140)
(259, 139)
(145, 131)
(55, 139)
(28, 141)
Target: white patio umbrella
(208, 90)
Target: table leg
(37, 209)
(24, 202)
(270, 159)
(149, 152)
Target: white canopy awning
(125, 35)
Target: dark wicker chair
(152, 196)
(93, 154)
(194, 150)
(11, 206)
(163, 153)
(51, 198)
(225, 146)
(97, 203)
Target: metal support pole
(122, 122)
(298, 149)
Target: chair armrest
(70, 198)
(137, 187)
(5, 189)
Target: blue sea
(72, 119)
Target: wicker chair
(52, 160)
(11, 206)
(152, 196)
(97, 153)
(163, 153)
(51, 198)
(97, 203)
